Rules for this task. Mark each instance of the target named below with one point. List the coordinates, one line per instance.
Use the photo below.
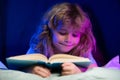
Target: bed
(107, 72)
(98, 73)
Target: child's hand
(41, 71)
(70, 68)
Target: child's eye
(75, 35)
(62, 33)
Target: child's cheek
(77, 40)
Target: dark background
(19, 19)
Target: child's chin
(65, 51)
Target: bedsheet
(98, 73)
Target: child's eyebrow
(63, 29)
(77, 31)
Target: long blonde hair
(41, 41)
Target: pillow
(2, 66)
(113, 63)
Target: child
(66, 29)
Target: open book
(39, 59)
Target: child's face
(65, 38)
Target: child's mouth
(68, 45)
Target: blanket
(98, 73)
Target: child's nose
(68, 38)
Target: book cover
(55, 61)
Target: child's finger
(65, 73)
(41, 71)
(42, 74)
(67, 64)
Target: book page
(67, 58)
(30, 57)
